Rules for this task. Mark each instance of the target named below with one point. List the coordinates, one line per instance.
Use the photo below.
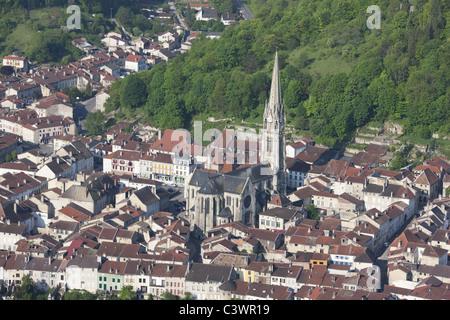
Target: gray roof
(199, 177)
(88, 261)
(209, 13)
(253, 172)
(200, 272)
(284, 213)
(78, 149)
(14, 212)
(225, 212)
(80, 193)
(212, 183)
(12, 228)
(146, 196)
(55, 167)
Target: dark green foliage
(133, 92)
(400, 72)
(79, 295)
(312, 212)
(96, 123)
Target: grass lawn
(320, 64)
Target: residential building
(135, 63)
(203, 280)
(279, 218)
(18, 63)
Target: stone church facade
(213, 199)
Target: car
(170, 190)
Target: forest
(337, 75)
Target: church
(240, 194)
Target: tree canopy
(336, 74)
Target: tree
(250, 63)
(26, 290)
(312, 212)
(398, 162)
(187, 296)
(134, 92)
(127, 293)
(88, 90)
(168, 296)
(96, 123)
(76, 294)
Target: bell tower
(273, 151)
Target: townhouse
(135, 63)
(27, 124)
(47, 273)
(55, 104)
(122, 162)
(18, 63)
(279, 218)
(203, 280)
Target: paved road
(129, 35)
(82, 109)
(180, 20)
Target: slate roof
(146, 196)
(212, 183)
(13, 212)
(284, 213)
(200, 272)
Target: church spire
(273, 139)
(275, 90)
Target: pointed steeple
(275, 90)
(273, 137)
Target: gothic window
(206, 206)
(247, 201)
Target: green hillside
(337, 75)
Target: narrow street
(179, 19)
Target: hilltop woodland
(336, 74)
(37, 28)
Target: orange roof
(14, 58)
(133, 58)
